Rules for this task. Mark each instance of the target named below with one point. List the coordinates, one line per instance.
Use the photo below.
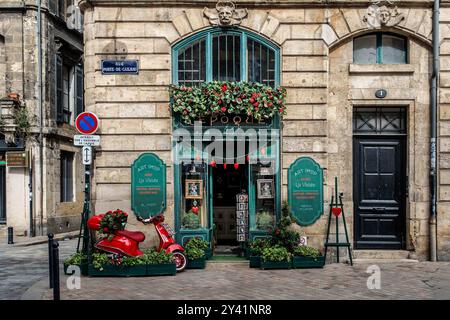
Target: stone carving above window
(383, 14)
(225, 14)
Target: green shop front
(226, 108)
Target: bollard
(50, 258)
(56, 284)
(10, 235)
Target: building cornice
(252, 3)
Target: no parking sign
(87, 123)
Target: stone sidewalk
(24, 275)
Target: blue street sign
(120, 67)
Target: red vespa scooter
(126, 243)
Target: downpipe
(433, 133)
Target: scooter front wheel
(180, 260)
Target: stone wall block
(181, 24)
(270, 26)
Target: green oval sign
(148, 186)
(305, 190)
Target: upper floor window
(380, 48)
(225, 56)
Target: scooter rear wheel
(180, 260)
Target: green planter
(196, 263)
(83, 267)
(166, 269)
(118, 271)
(208, 253)
(255, 261)
(275, 265)
(308, 262)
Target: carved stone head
(225, 11)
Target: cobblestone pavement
(22, 267)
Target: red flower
(270, 105)
(256, 108)
(106, 230)
(223, 109)
(277, 232)
(254, 95)
(252, 100)
(220, 101)
(281, 110)
(224, 88)
(256, 104)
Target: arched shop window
(224, 55)
(380, 48)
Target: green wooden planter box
(166, 269)
(196, 263)
(83, 267)
(275, 265)
(255, 261)
(308, 262)
(208, 253)
(118, 271)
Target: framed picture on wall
(265, 188)
(193, 189)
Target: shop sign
(120, 67)
(148, 186)
(17, 159)
(233, 120)
(305, 190)
(86, 140)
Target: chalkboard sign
(305, 190)
(148, 186)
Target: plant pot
(255, 261)
(208, 253)
(83, 268)
(164, 269)
(308, 262)
(118, 271)
(199, 263)
(275, 264)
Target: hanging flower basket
(219, 98)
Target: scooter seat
(137, 236)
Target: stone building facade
(333, 61)
(32, 203)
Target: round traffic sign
(87, 123)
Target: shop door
(2, 194)
(379, 191)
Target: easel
(336, 209)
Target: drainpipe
(41, 115)
(433, 133)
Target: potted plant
(190, 220)
(159, 263)
(264, 220)
(276, 257)
(195, 253)
(78, 259)
(307, 257)
(255, 249)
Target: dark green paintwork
(148, 186)
(305, 190)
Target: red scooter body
(126, 243)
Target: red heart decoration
(213, 163)
(336, 211)
(195, 210)
(236, 166)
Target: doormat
(227, 258)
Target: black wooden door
(2, 194)
(379, 192)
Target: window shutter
(52, 7)
(59, 89)
(78, 90)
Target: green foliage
(151, 256)
(257, 246)
(288, 239)
(264, 220)
(75, 259)
(190, 221)
(21, 118)
(276, 254)
(305, 251)
(99, 260)
(113, 221)
(133, 261)
(195, 248)
(286, 215)
(220, 98)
